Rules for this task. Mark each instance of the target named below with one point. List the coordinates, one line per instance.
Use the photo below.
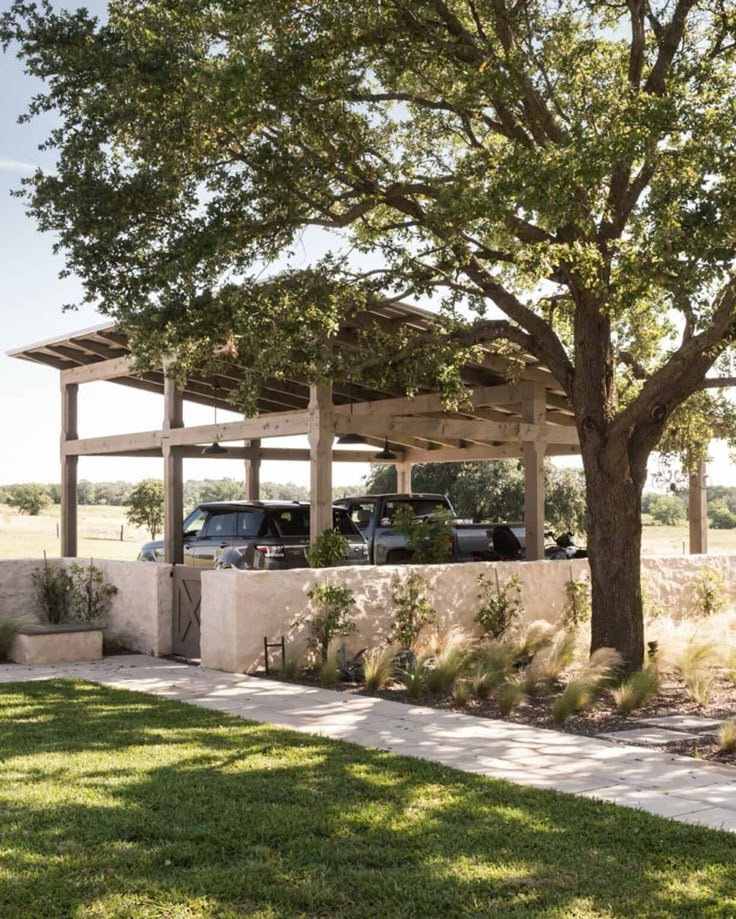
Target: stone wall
(140, 617)
(240, 608)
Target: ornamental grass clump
(379, 667)
(537, 636)
(492, 664)
(600, 671)
(694, 665)
(636, 689)
(461, 693)
(414, 677)
(9, 629)
(508, 695)
(330, 669)
(727, 736)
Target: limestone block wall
(141, 613)
(240, 608)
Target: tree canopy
(556, 179)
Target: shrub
(52, 586)
(335, 604)
(29, 499)
(727, 736)
(578, 608)
(498, 606)
(91, 595)
(412, 609)
(379, 667)
(428, 539)
(708, 593)
(329, 547)
(493, 664)
(508, 695)
(636, 689)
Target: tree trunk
(614, 547)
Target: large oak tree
(558, 176)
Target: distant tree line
(671, 509)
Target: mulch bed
(601, 718)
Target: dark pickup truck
(374, 516)
(261, 535)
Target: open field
(22, 536)
(117, 804)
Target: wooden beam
(278, 424)
(533, 412)
(698, 511)
(100, 370)
(69, 469)
(430, 402)
(321, 435)
(173, 477)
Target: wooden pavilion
(526, 420)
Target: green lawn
(114, 804)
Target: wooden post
(533, 411)
(698, 511)
(253, 473)
(173, 477)
(69, 466)
(403, 478)
(321, 435)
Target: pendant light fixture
(386, 453)
(351, 439)
(215, 448)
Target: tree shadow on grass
(113, 805)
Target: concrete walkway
(671, 786)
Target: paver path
(671, 786)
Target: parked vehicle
(374, 516)
(508, 544)
(260, 535)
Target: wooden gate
(187, 604)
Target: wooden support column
(403, 478)
(69, 465)
(533, 411)
(173, 477)
(698, 511)
(321, 435)
(253, 472)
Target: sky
(31, 300)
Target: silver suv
(258, 535)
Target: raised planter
(57, 644)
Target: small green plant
(636, 689)
(498, 606)
(600, 671)
(727, 736)
(461, 693)
(414, 678)
(329, 548)
(709, 594)
(335, 605)
(429, 539)
(508, 695)
(329, 671)
(52, 586)
(412, 609)
(91, 595)
(379, 667)
(578, 608)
